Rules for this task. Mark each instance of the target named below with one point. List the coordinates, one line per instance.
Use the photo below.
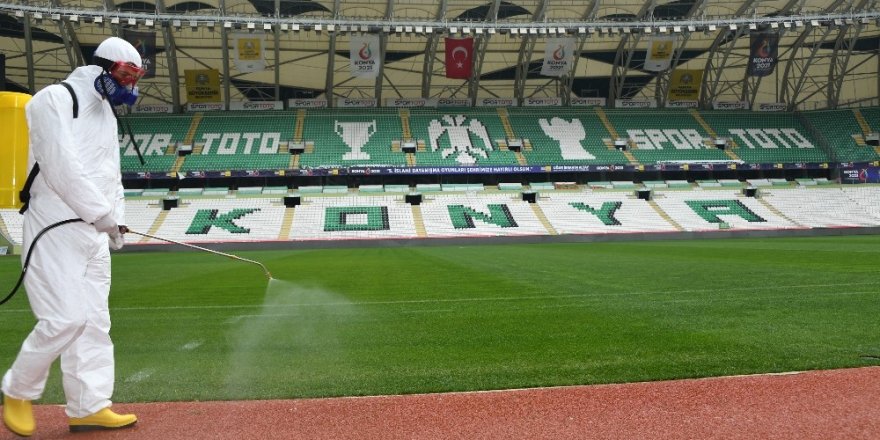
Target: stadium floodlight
(865, 20)
(648, 29)
(849, 21)
(774, 25)
(38, 17)
(295, 27)
(227, 25)
(99, 21)
(267, 27)
(753, 26)
(364, 28)
(132, 22)
(786, 24)
(452, 30)
(662, 29)
(408, 29)
(194, 25)
(73, 18)
(560, 30)
(420, 29)
(56, 17)
(582, 30)
(533, 31)
(798, 23)
(319, 28)
(386, 29)
(491, 31)
(210, 25)
(251, 26)
(542, 31)
(149, 22)
(676, 29)
(331, 28)
(19, 14)
(430, 30)
(713, 28)
(175, 23)
(398, 29)
(479, 31)
(285, 27)
(551, 31)
(733, 26)
(692, 28)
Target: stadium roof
(827, 55)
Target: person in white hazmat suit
(68, 278)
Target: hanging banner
(459, 57)
(659, 55)
(763, 53)
(684, 85)
(558, 57)
(249, 53)
(202, 85)
(145, 43)
(364, 55)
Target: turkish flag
(459, 57)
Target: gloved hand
(117, 241)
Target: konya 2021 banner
(763, 53)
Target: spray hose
(222, 254)
(27, 259)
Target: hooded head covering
(116, 49)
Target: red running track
(834, 404)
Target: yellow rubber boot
(18, 416)
(103, 419)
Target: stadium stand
(158, 138)
(766, 137)
(347, 137)
(657, 136)
(711, 210)
(459, 137)
(574, 136)
(353, 217)
(479, 215)
(240, 141)
(601, 214)
(320, 216)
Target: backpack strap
(72, 95)
(25, 194)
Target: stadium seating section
(373, 214)
(224, 141)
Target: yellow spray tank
(13, 147)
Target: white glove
(117, 242)
(107, 224)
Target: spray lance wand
(222, 254)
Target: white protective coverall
(68, 279)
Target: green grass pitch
(369, 321)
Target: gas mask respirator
(118, 83)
